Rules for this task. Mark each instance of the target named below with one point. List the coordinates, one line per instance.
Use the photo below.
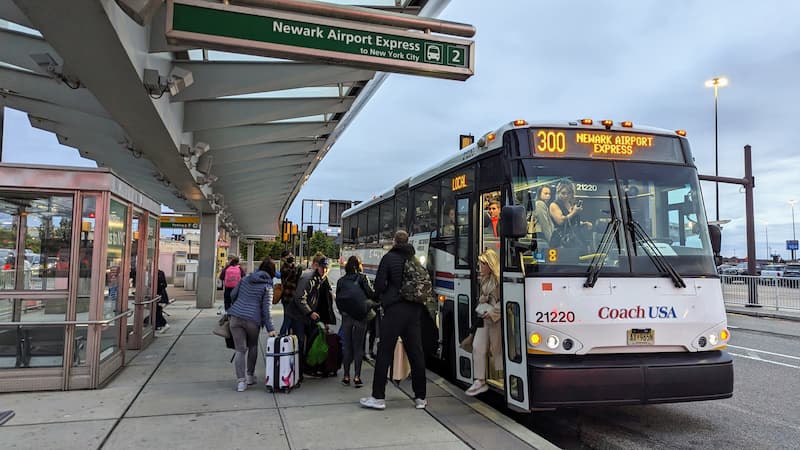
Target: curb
(759, 312)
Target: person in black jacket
(161, 322)
(353, 294)
(401, 319)
(312, 302)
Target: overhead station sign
(283, 34)
(192, 223)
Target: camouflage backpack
(416, 285)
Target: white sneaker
(241, 386)
(477, 387)
(420, 403)
(164, 328)
(250, 380)
(372, 402)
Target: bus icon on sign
(433, 53)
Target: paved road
(763, 413)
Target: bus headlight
(553, 341)
(712, 339)
(568, 344)
(535, 339)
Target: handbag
(401, 367)
(466, 344)
(277, 293)
(223, 327)
(318, 352)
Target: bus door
(489, 211)
(462, 287)
(514, 336)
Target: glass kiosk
(78, 252)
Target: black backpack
(351, 298)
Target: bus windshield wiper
(601, 253)
(640, 236)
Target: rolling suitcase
(334, 360)
(282, 359)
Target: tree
(320, 242)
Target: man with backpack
(230, 276)
(401, 284)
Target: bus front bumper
(629, 379)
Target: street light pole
(716, 83)
(766, 235)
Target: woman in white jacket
(487, 337)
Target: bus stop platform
(180, 393)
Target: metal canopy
(77, 68)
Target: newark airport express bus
(627, 309)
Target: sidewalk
(765, 311)
(179, 393)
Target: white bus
(628, 310)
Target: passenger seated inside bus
(540, 224)
(449, 221)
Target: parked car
(721, 269)
(771, 273)
(791, 276)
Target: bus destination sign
(601, 144)
(284, 34)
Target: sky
(644, 61)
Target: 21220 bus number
(555, 316)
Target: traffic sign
(283, 34)
(791, 244)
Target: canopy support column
(207, 258)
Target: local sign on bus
(284, 34)
(180, 222)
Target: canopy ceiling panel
(77, 68)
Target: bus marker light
(724, 335)
(627, 124)
(547, 286)
(490, 137)
(442, 298)
(552, 341)
(681, 132)
(607, 123)
(535, 339)
(519, 123)
(586, 121)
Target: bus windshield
(572, 207)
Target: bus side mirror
(512, 222)
(715, 234)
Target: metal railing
(768, 292)
(125, 313)
(148, 302)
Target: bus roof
(485, 144)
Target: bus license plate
(641, 336)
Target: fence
(770, 292)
